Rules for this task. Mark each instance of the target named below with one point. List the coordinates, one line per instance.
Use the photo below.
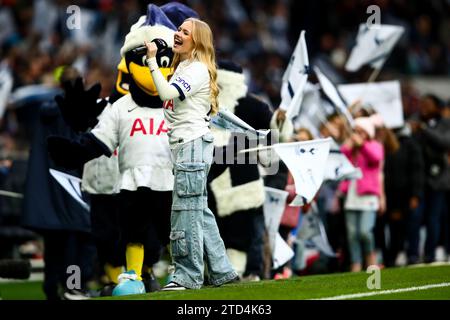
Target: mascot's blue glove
(80, 107)
(73, 154)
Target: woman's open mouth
(177, 42)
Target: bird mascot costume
(238, 189)
(134, 125)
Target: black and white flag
(373, 46)
(295, 78)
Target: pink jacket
(290, 214)
(369, 160)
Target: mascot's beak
(122, 85)
(143, 78)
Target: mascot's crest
(155, 25)
(159, 22)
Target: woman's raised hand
(151, 49)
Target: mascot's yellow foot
(128, 284)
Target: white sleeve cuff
(165, 90)
(152, 63)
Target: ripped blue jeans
(194, 236)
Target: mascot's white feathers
(230, 199)
(139, 23)
(232, 87)
(136, 37)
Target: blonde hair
(203, 51)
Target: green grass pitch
(297, 288)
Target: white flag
(385, 98)
(295, 78)
(6, 84)
(373, 46)
(306, 161)
(333, 94)
(227, 120)
(311, 114)
(282, 252)
(71, 184)
(338, 166)
(274, 206)
(312, 230)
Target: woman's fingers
(151, 49)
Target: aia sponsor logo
(148, 127)
(168, 104)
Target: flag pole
(261, 148)
(374, 74)
(11, 194)
(324, 121)
(372, 77)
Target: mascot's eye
(164, 62)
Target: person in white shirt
(190, 97)
(135, 123)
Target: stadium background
(259, 35)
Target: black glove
(72, 154)
(65, 152)
(79, 107)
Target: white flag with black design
(282, 252)
(338, 166)
(373, 46)
(274, 206)
(384, 97)
(334, 95)
(313, 231)
(295, 78)
(226, 120)
(71, 184)
(306, 161)
(311, 114)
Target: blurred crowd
(257, 34)
(406, 169)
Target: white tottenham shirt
(101, 175)
(186, 108)
(141, 133)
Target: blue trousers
(194, 235)
(431, 211)
(360, 226)
(435, 206)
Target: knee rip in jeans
(189, 184)
(178, 244)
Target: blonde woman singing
(190, 97)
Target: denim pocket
(208, 137)
(190, 178)
(178, 244)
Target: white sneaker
(252, 278)
(76, 295)
(173, 286)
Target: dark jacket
(435, 142)
(404, 173)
